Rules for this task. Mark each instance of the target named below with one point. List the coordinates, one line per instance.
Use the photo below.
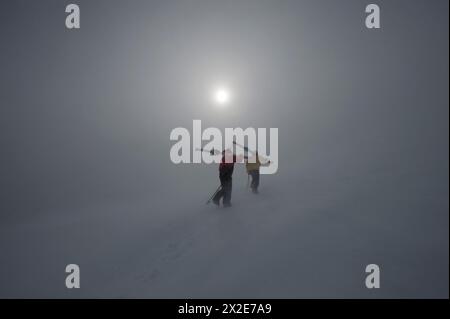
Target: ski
(212, 151)
(246, 149)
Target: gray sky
(86, 114)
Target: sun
(222, 96)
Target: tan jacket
(252, 165)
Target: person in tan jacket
(252, 164)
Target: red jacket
(226, 169)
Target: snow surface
(300, 237)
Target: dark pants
(224, 192)
(255, 180)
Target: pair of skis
(245, 148)
(217, 152)
(211, 152)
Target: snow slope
(301, 237)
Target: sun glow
(222, 96)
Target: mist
(86, 175)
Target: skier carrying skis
(226, 168)
(252, 165)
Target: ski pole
(218, 189)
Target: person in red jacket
(226, 168)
